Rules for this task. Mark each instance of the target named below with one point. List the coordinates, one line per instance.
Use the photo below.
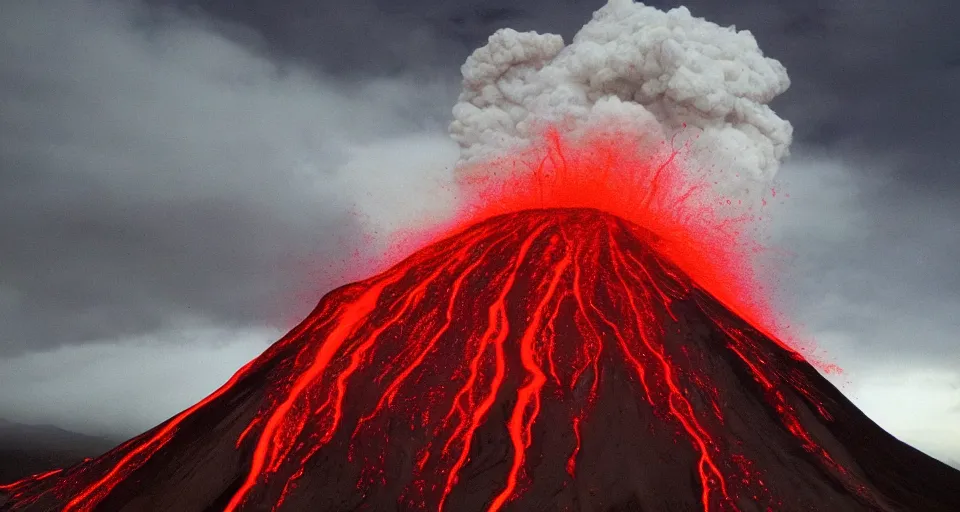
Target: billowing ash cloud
(664, 72)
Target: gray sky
(176, 178)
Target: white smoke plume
(667, 73)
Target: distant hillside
(29, 449)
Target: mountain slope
(30, 449)
(542, 360)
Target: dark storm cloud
(868, 77)
(186, 163)
(869, 261)
(365, 37)
(873, 83)
(152, 171)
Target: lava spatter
(494, 371)
(565, 346)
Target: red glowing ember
(589, 338)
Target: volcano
(547, 359)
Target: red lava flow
(552, 285)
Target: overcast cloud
(177, 185)
(159, 172)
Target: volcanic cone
(546, 359)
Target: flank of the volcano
(540, 360)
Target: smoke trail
(668, 74)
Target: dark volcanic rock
(544, 360)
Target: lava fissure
(685, 414)
(497, 322)
(520, 434)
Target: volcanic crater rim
(580, 214)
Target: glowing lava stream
(580, 325)
(517, 315)
(563, 255)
